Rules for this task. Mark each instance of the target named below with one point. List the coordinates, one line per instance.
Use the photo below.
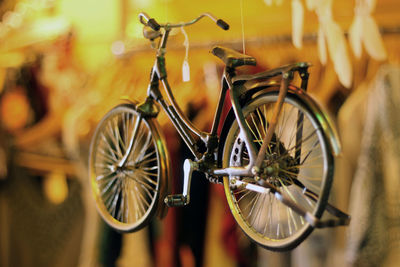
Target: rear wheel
(127, 195)
(298, 160)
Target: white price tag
(185, 66)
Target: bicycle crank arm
(180, 200)
(342, 218)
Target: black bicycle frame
(183, 125)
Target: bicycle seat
(232, 58)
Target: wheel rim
(261, 216)
(125, 195)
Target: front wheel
(298, 160)
(127, 195)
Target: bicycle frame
(185, 127)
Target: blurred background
(65, 63)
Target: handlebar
(145, 19)
(222, 24)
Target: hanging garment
(36, 232)
(374, 233)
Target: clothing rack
(45, 163)
(237, 43)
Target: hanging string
(166, 10)
(242, 21)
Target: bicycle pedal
(177, 200)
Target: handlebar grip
(222, 24)
(153, 24)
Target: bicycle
(274, 155)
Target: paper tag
(185, 71)
(185, 66)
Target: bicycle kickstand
(340, 219)
(180, 200)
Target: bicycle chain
(213, 179)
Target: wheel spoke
(145, 147)
(142, 208)
(260, 117)
(114, 139)
(134, 199)
(110, 182)
(294, 133)
(304, 140)
(150, 157)
(253, 204)
(139, 181)
(122, 209)
(110, 148)
(116, 198)
(244, 195)
(145, 173)
(255, 126)
(111, 158)
(118, 136)
(136, 142)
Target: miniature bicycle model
(274, 156)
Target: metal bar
(299, 66)
(241, 120)
(179, 112)
(163, 42)
(254, 41)
(268, 188)
(233, 171)
(274, 120)
(175, 119)
(300, 117)
(311, 219)
(221, 102)
(176, 25)
(46, 163)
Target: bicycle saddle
(232, 58)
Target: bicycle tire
(270, 223)
(127, 197)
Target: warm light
(118, 48)
(141, 3)
(21, 8)
(4, 29)
(56, 187)
(14, 110)
(51, 26)
(12, 19)
(11, 59)
(134, 29)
